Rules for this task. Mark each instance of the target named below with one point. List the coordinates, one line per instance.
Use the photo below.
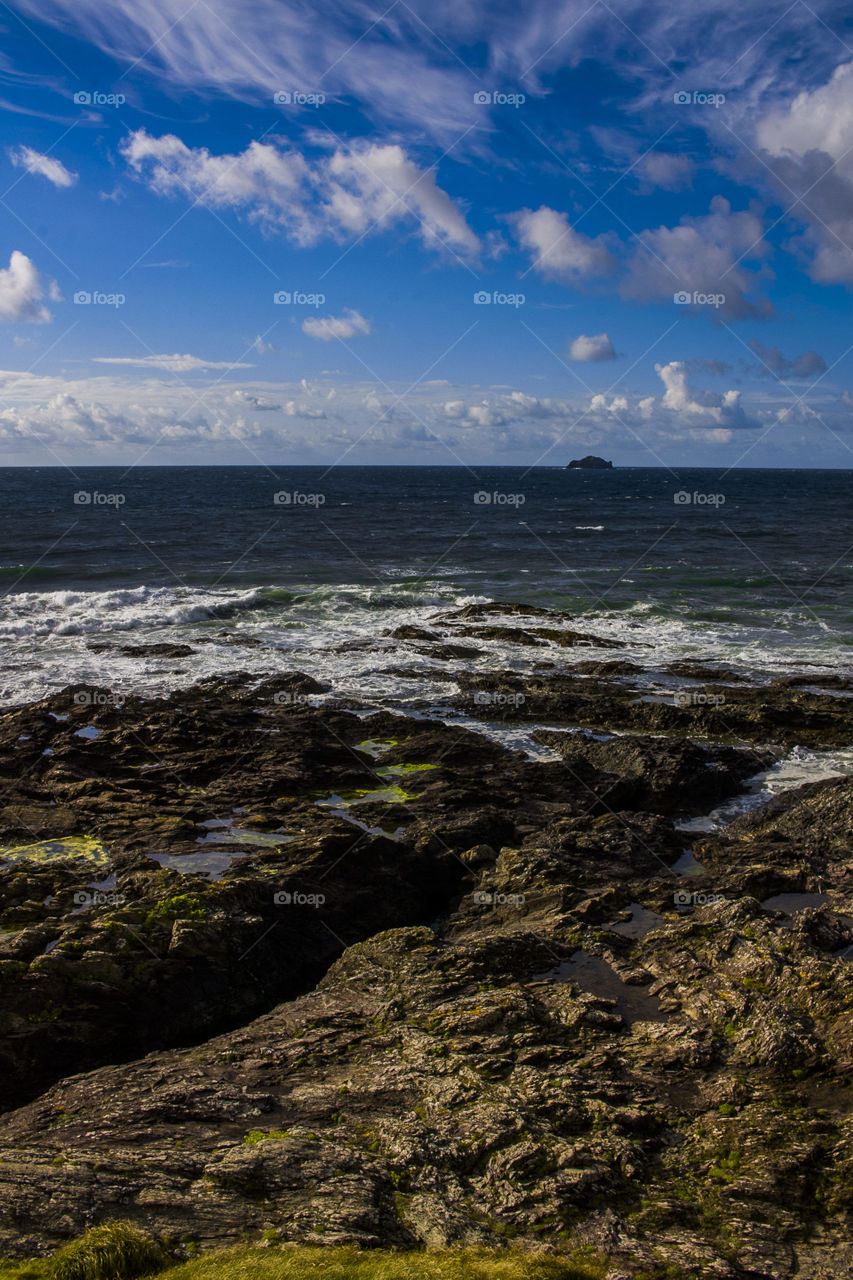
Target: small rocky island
(589, 463)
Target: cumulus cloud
(679, 397)
(703, 255)
(173, 364)
(345, 194)
(22, 288)
(558, 251)
(46, 166)
(328, 327)
(808, 365)
(808, 147)
(593, 348)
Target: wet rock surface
(378, 978)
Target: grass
(117, 1251)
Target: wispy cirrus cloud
(45, 166)
(172, 364)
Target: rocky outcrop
(376, 978)
(590, 463)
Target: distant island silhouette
(589, 463)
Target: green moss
(184, 906)
(254, 1136)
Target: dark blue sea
(753, 567)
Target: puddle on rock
(224, 833)
(209, 862)
(633, 1004)
(82, 847)
(379, 795)
(642, 922)
(89, 732)
(792, 903)
(687, 865)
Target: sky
(426, 232)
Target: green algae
(376, 746)
(84, 848)
(376, 795)
(400, 770)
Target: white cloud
(703, 255)
(328, 327)
(725, 410)
(808, 145)
(347, 193)
(173, 364)
(46, 166)
(558, 251)
(112, 418)
(22, 289)
(592, 348)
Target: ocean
(753, 568)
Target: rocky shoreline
(339, 974)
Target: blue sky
(426, 233)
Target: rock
(590, 463)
